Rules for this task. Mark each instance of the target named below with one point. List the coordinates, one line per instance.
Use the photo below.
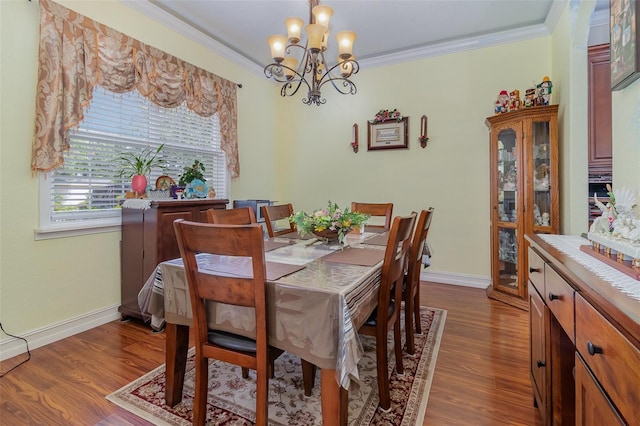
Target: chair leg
(262, 395)
(408, 324)
(397, 345)
(245, 373)
(416, 310)
(200, 393)
(308, 376)
(382, 369)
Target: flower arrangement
(330, 219)
(386, 115)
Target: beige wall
(292, 152)
(52, 282)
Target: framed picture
(623, 31)
(391, 134)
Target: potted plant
(138, 165)
(196, 171)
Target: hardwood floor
(481, 375)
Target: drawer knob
(593, 349)
(532, 270)
(540, 363)
(553, 296)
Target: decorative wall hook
(354, 144)
(423, 139)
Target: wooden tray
(622, 266)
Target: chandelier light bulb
(322, 14)
(294, 28)
(277, 43)
(345, 43)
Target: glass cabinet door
(541, 175)
(508, 210)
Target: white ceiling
(385, 29)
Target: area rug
(231, 399)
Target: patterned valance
(77, 53)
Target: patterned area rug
(231, 398)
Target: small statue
(514, 100)
(545, 219)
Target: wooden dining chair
(237, 216)
(375, 210)
(204, 286)
(386, 315)
(411, 288)
(273, 214)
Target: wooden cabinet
(524, 194)
(591, 343)
(148, 238)
(599, 105)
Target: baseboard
(11, 347)
(455, 279)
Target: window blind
(89, 185)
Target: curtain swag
(77, 53)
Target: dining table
(318, 295)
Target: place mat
(241, 267)
(272, 245)
(296, 236)
(375, 230)
(355, 256)
(377, 240)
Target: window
(87, 190)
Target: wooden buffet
(148, 238)
(585, 342)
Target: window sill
(76, 229)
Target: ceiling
(385, 29)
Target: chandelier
(296, 65)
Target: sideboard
(585, 339)
(148, 238)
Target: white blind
(89, 187)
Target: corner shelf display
(524, 194)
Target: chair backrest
(395, 258)
(278, 213)
(237, 216)
(375, 210)
(207, 285)
(417, 245)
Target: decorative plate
(164, 183)
(197, 189)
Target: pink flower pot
(139, 184)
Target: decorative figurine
(502, 103)
(514, 100)
(530, 97)
(544, 91)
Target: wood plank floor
(481, 376)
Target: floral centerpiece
(331, 223)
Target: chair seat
(372, 321)
(231, 341)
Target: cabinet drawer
(536, 270)
(559, 298)
(614, 361)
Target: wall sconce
(354, 144)
(423, 139)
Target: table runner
(570, 245)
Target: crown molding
(555, 12)
(161, 16)
(446, 48)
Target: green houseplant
(138, 165)
(196, 171)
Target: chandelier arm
(348, 87)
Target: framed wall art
(624, 46)
(389, 134)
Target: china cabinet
(524, 194)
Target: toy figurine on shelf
(514, 100)
(502, 103)
(530, 97)
(544, 92)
